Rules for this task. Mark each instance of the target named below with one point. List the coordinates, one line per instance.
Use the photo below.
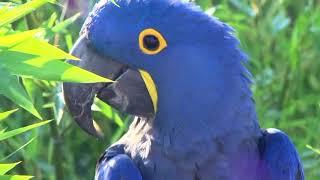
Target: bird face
(151, 49)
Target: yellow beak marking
(151, 87)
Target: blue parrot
(181, 73)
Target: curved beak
(131, 92)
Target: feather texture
(280, 159)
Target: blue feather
(203, 90)
(280, 159)
(114, 165)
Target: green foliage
(26, 55)
(15, 177)
(281, 37)
(9, 15)
(4, 168)
(282, 41)
(6, 135)
(5, 115)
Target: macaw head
(167, 58)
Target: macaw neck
(207, 99)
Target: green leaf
(4, 168)
(121, 130)
(24, 55)
(69, 42)
(14, 91)
(26, 43)
(13, 153)
(18, 131)
(47, 69)
(4, 7)
(52, 20)
(13, 39)
(15, 177)
(2, 131)
(6, 114)
(109, 113)
(317, 151)
(61, 27)
(59, 104)
(20, 11)
(204, 4)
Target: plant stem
(57, 151)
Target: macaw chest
(157, 163)
(206, 159)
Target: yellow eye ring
(151, 41)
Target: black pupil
(151, 42)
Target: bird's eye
(151, 42)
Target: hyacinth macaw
(181, 73)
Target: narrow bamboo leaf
(317, 151)
(5, 30)
(41, 48)
(119, 132)
(13, 90)
(69, 41)
(52, 20)
(109, 113)
(13, 153)
(61, 27)
(15, 177)
(34, 58)
(20, 11)
(59, 104)
(26, 43)
(5, 6)
(6, 114)
(18, 131)
(3, 130)
(4, 168)
(13, 39)
(46, 69)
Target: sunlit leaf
(20, 11)
(15, 177)
(18, 131)
(6, 114)
(2, 131)
(4, 168)
(5, 6)
(24, 55)
(52, 20)
(47, 69)
(26, 43)
(313, 149)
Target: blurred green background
(282, 38)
